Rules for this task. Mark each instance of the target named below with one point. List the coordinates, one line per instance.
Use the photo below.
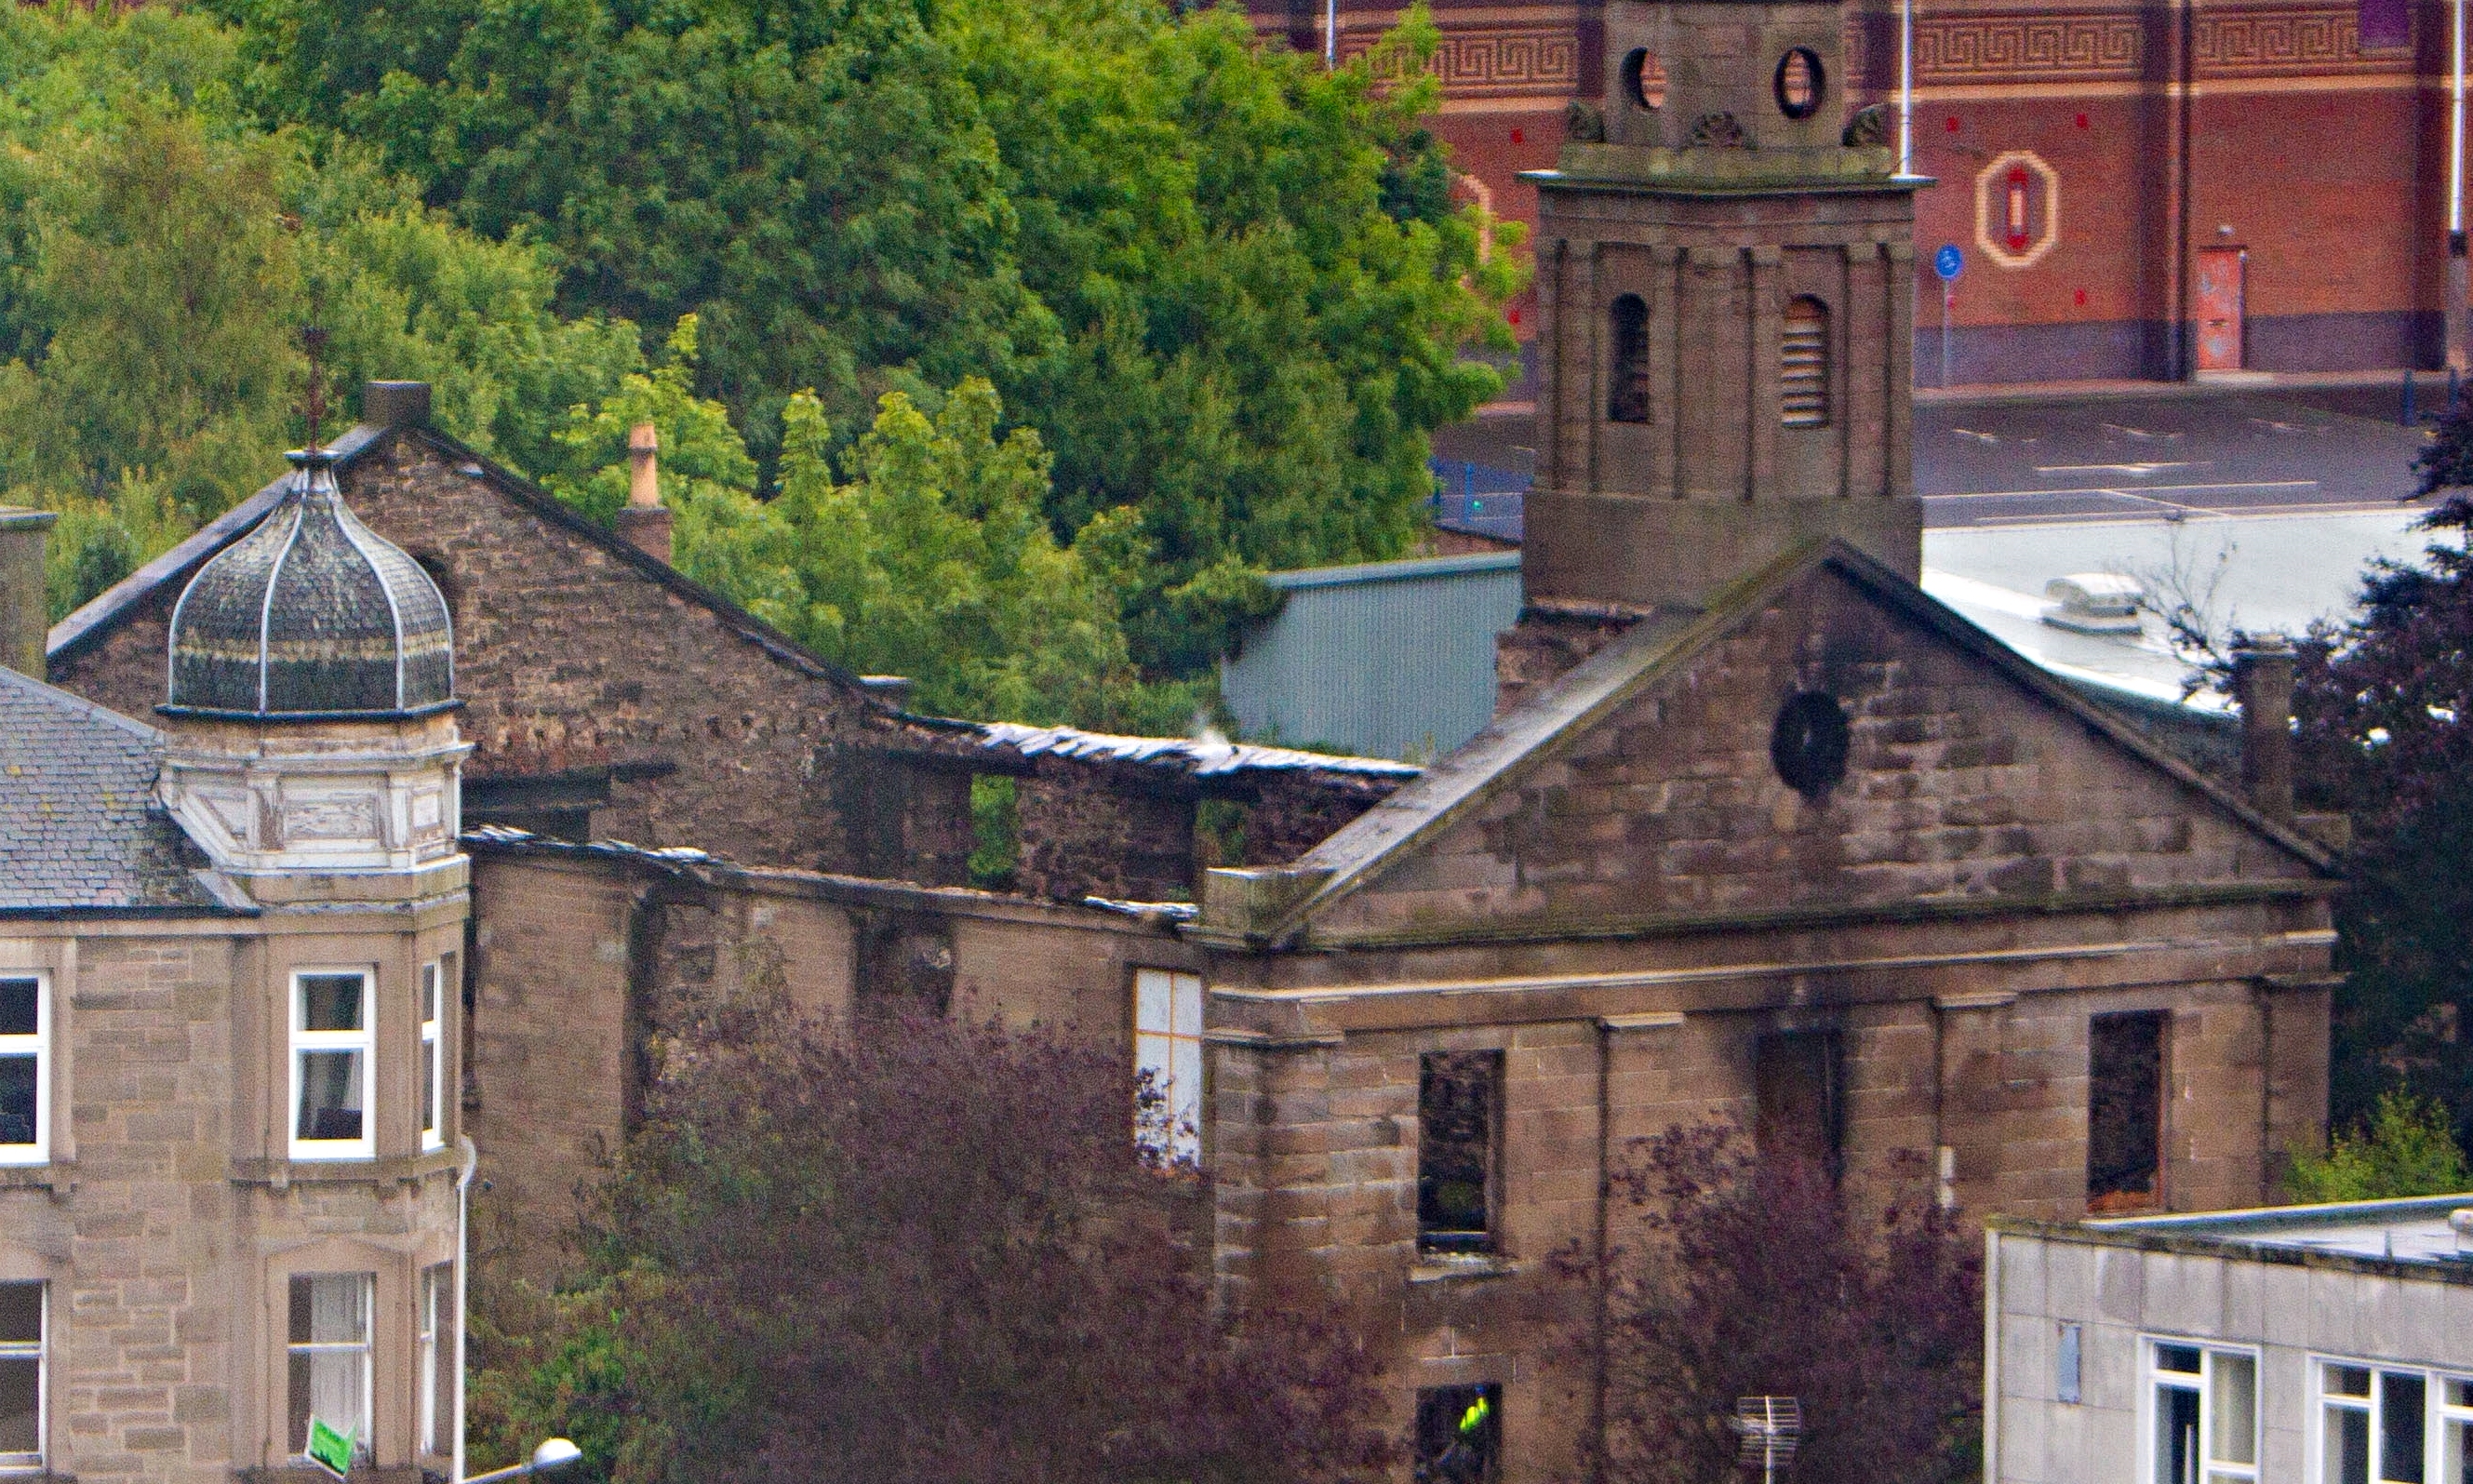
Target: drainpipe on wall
(1907, 85)
(2185, 66)
(463, 1287)
(2455, 312)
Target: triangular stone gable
(1969, 779)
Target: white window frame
(305, 1042)
(366, 1345)
(39, 1351)
(433, 997)
(2438, 1414)
(1156, 1048)
(37, 1046)
(2153, 1379)
(427, 1296)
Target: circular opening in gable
(1643, 79)
(1810, 741)
(1800, 82)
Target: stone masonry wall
(1958, 785)
(571, 658)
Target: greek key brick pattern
(2026, 48)
(2288, 43)
(1541, 62)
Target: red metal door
(2219, 307)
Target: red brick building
(2116, 173)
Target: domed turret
(311, 615)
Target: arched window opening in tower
(1803, 364)
(1628, 401)
(1643, 79)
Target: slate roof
(78, 829)
(311, 613)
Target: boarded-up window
(1800, 1114)
(1628, 379)
(1167, 1051)
(1460, 1435)
(2126, 1112)
(1803, 364)
(1459, 1095)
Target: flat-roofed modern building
(2295, 1345)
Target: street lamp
(555, 1453)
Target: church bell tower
(1727, 285)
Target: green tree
(2402, 1147)
(1229, 289)
(929, 558)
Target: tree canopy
(910, 1252)
(2383, 706)
(1230, 290)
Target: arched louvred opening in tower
(1627, 395)
(1803, 364)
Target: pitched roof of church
(1455, 787)
(89, 625)
(78, 829)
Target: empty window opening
(1460, 1435)
(328, 1353)
(1167, 1056)
(25, 1071)
(1803, 364)
(1459, 1098)
(1800, 1114)
(21, 1376)
(1627, 396)
(2126, 1112)
(2206, 1415)
(330, 1065)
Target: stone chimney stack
(2263, 685)
(22, 629)
(395, 404)
(644, 521)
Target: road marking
(2118, 469)
(1980, 437)
(2141, 492)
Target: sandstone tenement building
(228, 1143)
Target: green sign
(329, 1450)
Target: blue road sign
(1949, 262)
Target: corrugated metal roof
(1393, 658)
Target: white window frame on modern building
(2206, 1381)
(1168, 1044)
(364, 1347)
(2438, 1414)
(38, 1352)
(433, 1056)
(307, 1042)
(36, 1047)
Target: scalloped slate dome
(311, 613)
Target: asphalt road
(2171, 457)
(2101, 459)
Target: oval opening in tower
(1800, 82)
(1643, 79)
